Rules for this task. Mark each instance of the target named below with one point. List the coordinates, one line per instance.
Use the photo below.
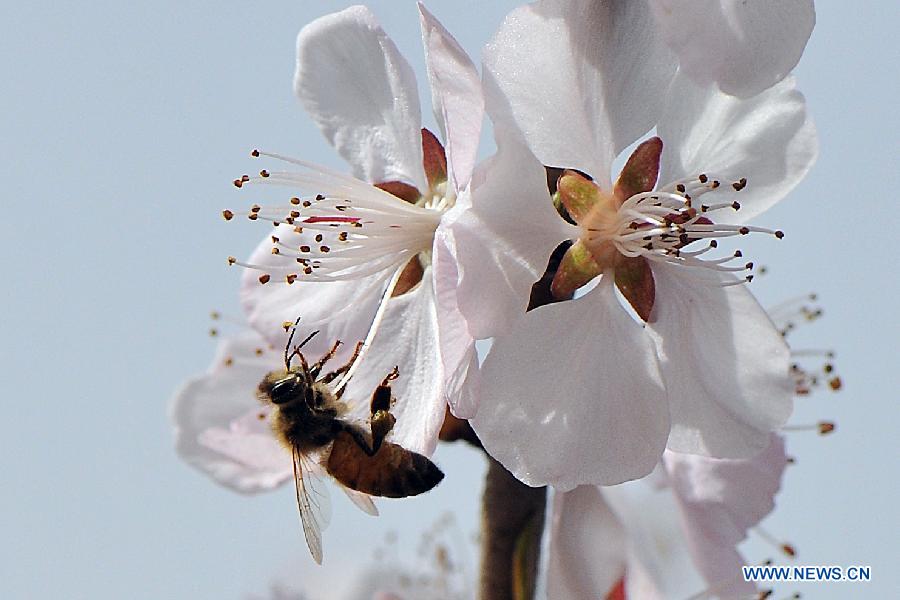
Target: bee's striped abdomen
(393, 471)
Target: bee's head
(284, 386)
(290, 384)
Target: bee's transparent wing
(363, 501)
(312, 502)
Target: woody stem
(512, 522)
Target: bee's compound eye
(287, 389)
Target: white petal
(572, 395)
(724, 364)
(583, 79)
(768, 139)
(587, 546)
(745, 47)
(406, 338)
(659, 563)
(504, 238)
(721, 499)
(362, 93)
(343, 308)
(457, 346)
(217, 429)
(456, 95)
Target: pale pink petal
(768, 139)
(456, 95)
(659, 563)
(745, 47)
(504, 238)
(583, 78)
(344, 309)
(252, 459)
(719, 500)
(217, 424)
(362, 93)
(406, 338)
(744, 490)
(457, 346)
(725, 365)
(572, 395)
(587, 546)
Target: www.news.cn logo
(771, 573)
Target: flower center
(439, 197)
(658, 225)
(350, 229)
(637, 223)
(600, 227)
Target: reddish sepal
(434, 159)
(634, 278)
(640, 171)
(404, 191)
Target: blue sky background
(123, 125)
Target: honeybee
(309, 419)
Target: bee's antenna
(296, 350)
(287, 357)
(309, 337)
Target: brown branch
(512, 521)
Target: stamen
(239, 182)
(330, 219)
(787, 316)
(822, 427)
(785, 548)
(657, 225)
(328, 183)
(746, 279)
(793, 308)
(366, 237)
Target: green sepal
(576, 268)
(578, 194)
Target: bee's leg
(394, 374)
(382, 421)
(305, 366)
(329, 377)
(317, 366)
